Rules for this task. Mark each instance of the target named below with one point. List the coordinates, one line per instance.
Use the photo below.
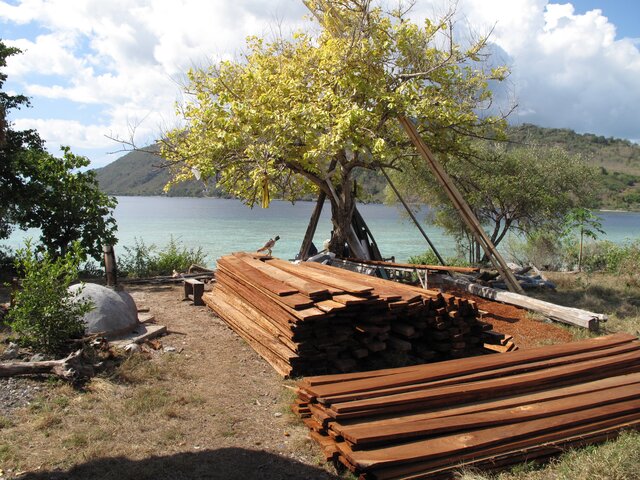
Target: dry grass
(617, 459)
(216, 410)
(616, 296)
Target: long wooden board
(533, 410)
(464, 366)
(452, 445)
(488, 374)
(439, 396)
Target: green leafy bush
(45, 314)
(144, 260)
(175, 256)
(429, 258)
(137, 260)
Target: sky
(97, 70)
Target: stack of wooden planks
(486, 412)
(310, 319)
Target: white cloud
(67, 132)
(123, 57)
(569, 70)
(126, 55)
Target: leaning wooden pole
(311, 228)
(461, 205)
(413, 217)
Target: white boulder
(114, 313)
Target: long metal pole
(415, 220)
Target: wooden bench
(194, 287)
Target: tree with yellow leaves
(299, 115)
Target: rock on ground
(114, 311)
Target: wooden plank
(461, 205)
(274, 328)
(279, 313)
(296, 301)
(365, 382)
(307, 287)
(439, 396)
(386, 421)
(382, 287)
(330, 306)
(581, 318)
(487, 374)
(365, 437)
(453, 445)
(274, 352)
(313, 224)
(439, 268)
(275, 286)
(514, 452)
(338, 283)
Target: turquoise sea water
(221, 226)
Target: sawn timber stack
(310, 319)
(490, 412)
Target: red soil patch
(526, 331)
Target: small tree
(46, 314)
(68, 205)
(521, 189)
(39, 190)
(586, 223)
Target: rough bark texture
(69, 368)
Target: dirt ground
(527, 330)
(211, 409)
(205, 405)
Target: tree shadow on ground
(224, 463)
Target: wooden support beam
(311, 228)
(573, 316)
(461, 205)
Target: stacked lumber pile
(486, 412)
(311, 319)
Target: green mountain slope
(617, 159)
(140, 173)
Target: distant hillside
(617, 159)
(139, 173)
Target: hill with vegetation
(618, 161)
(144, 173)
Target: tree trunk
(69, 368)
(580, 253)
(342, 207)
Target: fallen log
(69, 368)
(573, 316)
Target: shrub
(45, 314)
(175, 256)
(137, 260)
(142, 260)
(543, 248)
(429, 258)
